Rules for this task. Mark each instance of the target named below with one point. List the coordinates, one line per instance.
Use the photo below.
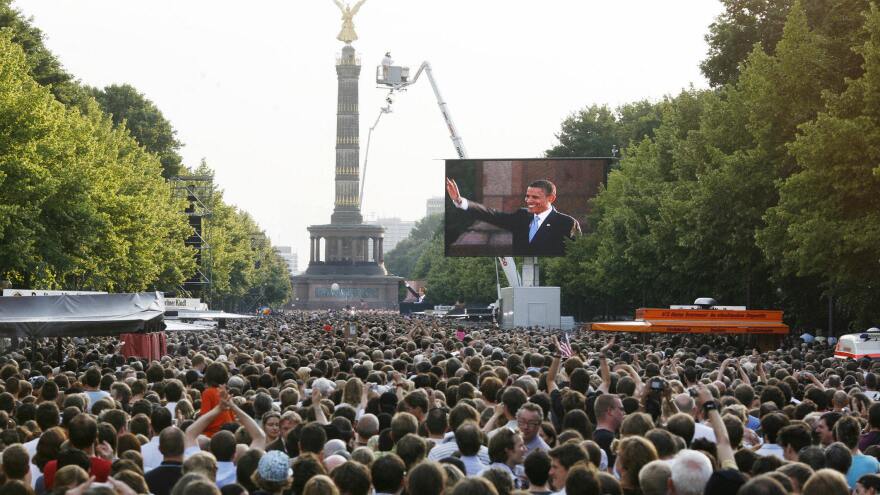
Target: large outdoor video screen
(518, 207)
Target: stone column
(339, 249)
(375, 250)
(381, 257)
(311, 249)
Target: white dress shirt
(150, 453)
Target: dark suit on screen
(550, 238)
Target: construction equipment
(396, 78)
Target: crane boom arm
(444, 109)
(508, 265)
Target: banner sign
(347, 293)
(40, 292)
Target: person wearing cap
(273, 475)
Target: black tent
(91, 315)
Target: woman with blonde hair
(320, 485)
(353, 392)
(68, 477)
(134, 480)
(184, 411)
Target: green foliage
(747, 24)
(471, 280)
(734, 34)
(42, 65)
(401, 260)
(594, 130)
(746, 193)
(132, 110)
(84, 206)
(827, 223)
(85, 203)
(246, 270)
(421, 257)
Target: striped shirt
(448, 446)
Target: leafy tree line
(761, 191)
(420, 257)
(85, 200)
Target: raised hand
(452, 190)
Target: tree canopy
(86, 204)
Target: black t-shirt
(161, 480)
(604, 438)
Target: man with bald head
(367, 427)
(161, 479)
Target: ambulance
(859, 345)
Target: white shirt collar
(543, 216)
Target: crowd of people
(322, 403)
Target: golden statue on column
(347, 34)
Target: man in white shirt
(459, 415)
(467, 436)
(173, 393)
(686, 404)
(91, 381)
(223, 447)
(159, 420)
(528, 420)
(771, 424)
(387, 62)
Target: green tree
(745, 24)
(84, 206)
(132, 110)
(42, 64)
(449, 279)
(245, 269)
(401, 260)
(827, 223)
(595, 130)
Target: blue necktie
(533, 228)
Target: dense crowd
(326, 403)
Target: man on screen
(538, 229)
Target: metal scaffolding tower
(197, 192)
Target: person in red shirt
(84, 437)
(216, 377)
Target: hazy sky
(251, 86)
